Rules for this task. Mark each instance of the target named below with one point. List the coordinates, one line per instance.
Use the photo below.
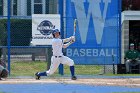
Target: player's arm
(68, 39)
(69, 43)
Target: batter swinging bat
(75, 20)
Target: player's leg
(54, 65)
(69, 62)
(39, 74)
(127, 64)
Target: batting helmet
(55, 31)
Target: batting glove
(72, 38)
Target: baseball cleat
(73, 77)
(37, 76)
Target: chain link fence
(25, 60)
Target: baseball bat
(75, 21)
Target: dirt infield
(130, 82)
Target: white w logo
(98, 18)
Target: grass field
(27, 68)
(30, 68)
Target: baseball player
(58, 57)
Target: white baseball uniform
(58, 57)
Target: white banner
(42, 25)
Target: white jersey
(57, 45)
